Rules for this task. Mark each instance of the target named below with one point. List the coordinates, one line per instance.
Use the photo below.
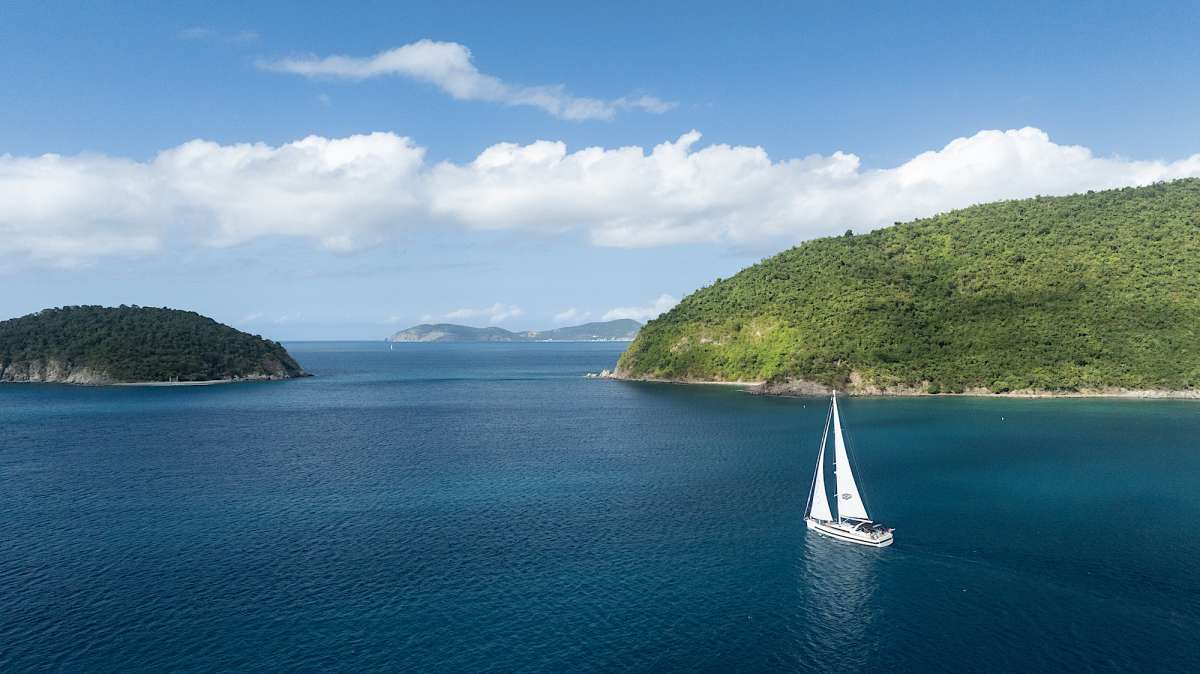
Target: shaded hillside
(1089, 291)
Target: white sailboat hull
(850, 532)
(850, 523)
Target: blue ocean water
(485, 508)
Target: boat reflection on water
(839, 584)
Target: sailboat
(852, 523)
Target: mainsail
(819, 506)
(849, 502)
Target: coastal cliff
(51, 370)
(56, 371)
(1092, 294)
(98, 345)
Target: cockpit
(867, 526)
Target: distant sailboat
(852, 523)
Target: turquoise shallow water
(485, 508)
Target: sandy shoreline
(812, 389)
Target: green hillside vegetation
(1083, 292)
(141, 344)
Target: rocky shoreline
(210, 382)
(801, 387)
(55, 371)
(606, 374)
(52, 371)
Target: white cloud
(348, 193)
(496, 313)
(660, 305)
(340, 192)
(252, 317)
(675, 194)
(343, 193)
(64, 209)
(449, 67)
(572, 315)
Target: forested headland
(1086, 293)
(102, 345)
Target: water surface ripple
(485, 508)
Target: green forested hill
(1089, 291)
(91, 344)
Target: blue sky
(811, 119)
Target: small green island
(131, 344)
(1091, 294)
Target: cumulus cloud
(449, 67)
(63, 209)
(660, 305)
(340, 192)
(349, 193)
(678, 194)
(572, 315)
(496, 313)
(343, 193)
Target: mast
(849, 501)
(818, 501)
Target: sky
(310, 171)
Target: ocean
(484, 507)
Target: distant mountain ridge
(621, 330)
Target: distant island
(621, 330)
(131, 344)
(1092, 294)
